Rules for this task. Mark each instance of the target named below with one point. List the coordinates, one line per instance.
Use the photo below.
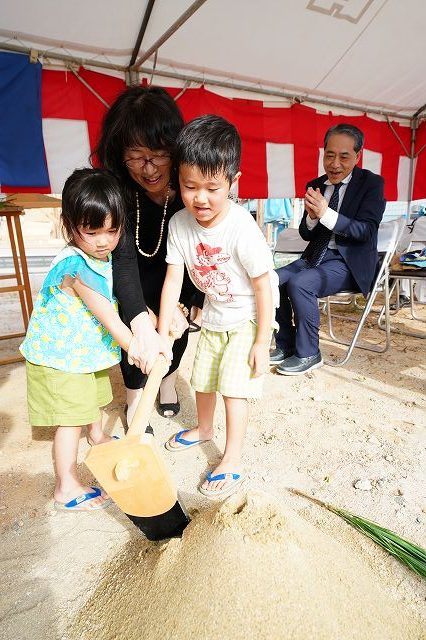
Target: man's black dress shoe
(276, 356)
(295, 366)
(404, 301)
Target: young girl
(75, 333)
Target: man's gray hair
(349, 130)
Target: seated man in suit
(343, 210)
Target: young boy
(228, 259)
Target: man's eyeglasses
(141, 162)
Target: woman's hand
(148, 344)
(153, 317)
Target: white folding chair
(413, 237)
(388, 236)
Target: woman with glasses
(137, 144)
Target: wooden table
(11, 211)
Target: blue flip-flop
(74, 504)
(234, 479)
(183, 444)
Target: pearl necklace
(150, 255)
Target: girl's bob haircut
(88, 198)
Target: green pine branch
(406, 552)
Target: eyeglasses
(141, 162)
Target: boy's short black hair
(348, 130)
(212, 144)
(88, 197)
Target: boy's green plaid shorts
(221, 363)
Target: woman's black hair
(140, 117)
(88, 197)
(212, 144)
(348, 130)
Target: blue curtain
(22, 157)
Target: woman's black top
(138, 280)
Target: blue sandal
(183, 444)
(74, 504)
(234, 479)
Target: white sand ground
(276, 567)
(269, 566)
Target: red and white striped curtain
(282, 146)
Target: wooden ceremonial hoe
(132, 470)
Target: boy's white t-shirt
(220, 261)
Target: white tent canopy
(356, 53)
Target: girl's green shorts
(59, 398)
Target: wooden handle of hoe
(146, 403)
(143, 411)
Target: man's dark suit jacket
(355, 232)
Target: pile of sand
(252, 571)
(244, 569)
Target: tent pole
(419, 111)
(131, 78)
(141, 33)
(170, 31)
(91, 89)
(413, 127)
(395, 133)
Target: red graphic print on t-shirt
(207, 274)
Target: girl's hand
(259, 359)
(148, 344)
